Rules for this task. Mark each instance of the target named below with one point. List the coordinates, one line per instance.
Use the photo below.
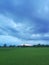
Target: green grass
(24, 56)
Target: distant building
(26, 45)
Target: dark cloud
(28, 12)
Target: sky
(24, 21)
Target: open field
(24, 56)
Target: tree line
(38, 45)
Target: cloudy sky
(24, 21)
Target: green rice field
(24, 56)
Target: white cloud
(34, 42)
(9, 40)
(5, 21)
(46, 35)
(36, 35)
(46, 9)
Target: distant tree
(0, 46)
(4, 45)
(46, 45)
(38, 45)
(12, 46)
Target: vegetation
(38, 45)
(24, 56)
